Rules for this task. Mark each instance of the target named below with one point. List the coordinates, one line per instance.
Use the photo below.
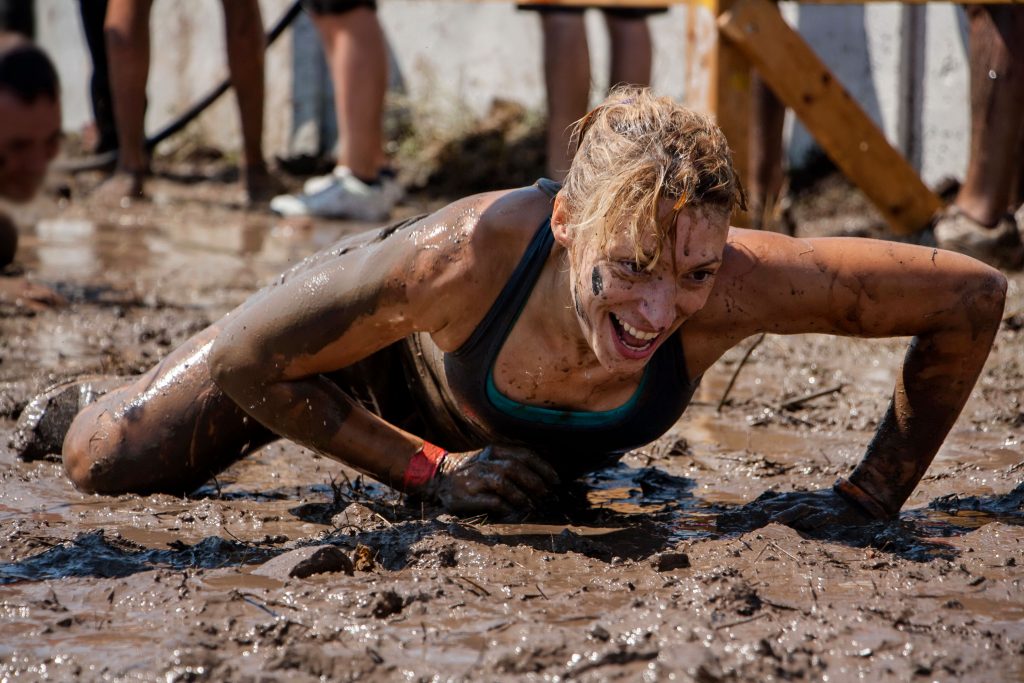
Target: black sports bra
(573, 441)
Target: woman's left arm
(951, 306)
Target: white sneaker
(341, 195)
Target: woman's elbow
(231, 367)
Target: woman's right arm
(271, 354)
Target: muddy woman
(479, 355)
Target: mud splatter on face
(596, 281)
(579, 306)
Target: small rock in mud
(666, 562)
(387, 603)
(359, 516)
(304, 562)
(362, 558)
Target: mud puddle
(291, 567)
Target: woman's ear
(560, 222)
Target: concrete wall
(187, 59)
(451, 59)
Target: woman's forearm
(938, 374)
(315, 413)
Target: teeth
(645, 336)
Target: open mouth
(630, 337)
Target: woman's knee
(94, 455)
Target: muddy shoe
(41, 427)
(999, 245)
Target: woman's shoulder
(488, 229)
(513, 215)
(473, 245)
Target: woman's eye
(702, 275)
(632, 266)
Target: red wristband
(852, 493)
(423, 465)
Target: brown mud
(647, 571)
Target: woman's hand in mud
(503, 480)
(810, 511)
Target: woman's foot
(121, 189)
(260, 186)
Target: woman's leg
(997, 107)
(243, 25)
(631, 48)
(127, 33)
(169, 430)
(567, 83)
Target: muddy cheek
(579, 306)
(596, 281)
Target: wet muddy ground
(291, 567)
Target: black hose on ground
(98, 161)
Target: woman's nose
(658, 307)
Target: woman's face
(627, 309)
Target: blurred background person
(980, 221)
(127, 41)
(30, 135)
(94, 13)
(567, 78)
(362, 184)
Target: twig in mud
(783, 551)
(537, 586)
(794, 403)
(275, 603)
(778, 605)
(499, 627)
(220, 494)
(257, 605)
(760, 553)
(741, 621)
(475, 584)
(736, 372)
(580, 617)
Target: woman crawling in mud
(478, 356)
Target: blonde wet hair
(636, 149)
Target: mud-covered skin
(264, 363)
(809, 511)
(951, 306)
(497, 479)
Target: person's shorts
(336, 6)
(619, 12)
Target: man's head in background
(30, 120)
